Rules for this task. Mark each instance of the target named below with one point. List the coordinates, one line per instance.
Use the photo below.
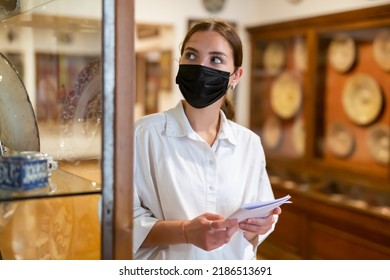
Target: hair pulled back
(229, 33)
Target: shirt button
(211, 188)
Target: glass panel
(10, 8)
(60, 228)
(355, 131)
(61, 183)
(277, 100)
(55, 48)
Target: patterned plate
(340, 140)
(378, 142)
(272, 132)
(82, 115)
(342, 52)
(274, 57)
(362, 98)
(18, 126)
(381, 47)
(286, 96)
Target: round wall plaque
(378, 142)
(274, 58)
(362, 99)
(340, 140)
(213, 6)
(342, 52)
(272, 132)
(381, 47)
(286, 96)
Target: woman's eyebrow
(215, 53)
(218, 53)
(190, 49)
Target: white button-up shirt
(178, 176)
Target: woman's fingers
(260, 225)
(222, 224)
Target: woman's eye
(216, 59)
(190, 56)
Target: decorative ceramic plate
(340, 140)
(18, 126)
(362, 99)
(300, 54)
(286, 96)
(82, 114)
(51, 230)
(342, 52)
(298, 139)
(378, 142)
(272, 132)
(274, 57)
(381, 47)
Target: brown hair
(229, 33)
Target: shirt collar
(225, 130)
(176, 121)
(177, 125)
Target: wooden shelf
(315, 220)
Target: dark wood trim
(119, 89)
(337, 210)
(313, 111)
(325, 21)
(124, 116)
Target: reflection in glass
(55, 47)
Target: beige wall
(175, 14)
(245, 13)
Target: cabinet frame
(118, 94)
(311, 29)
(118, 74)
(317, 223)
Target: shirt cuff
(142, 227)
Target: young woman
(194, 167)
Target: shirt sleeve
(144, 198)
(143, 222)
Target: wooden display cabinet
(320, 89)
(61, 220)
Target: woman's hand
(252, 227)
(209, 231)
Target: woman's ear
(236, 76)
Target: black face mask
(201, 85)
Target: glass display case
(355, 130)
(318, 96)
(319, 101)
(279, 75)
(56, 58)
(53, 92)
